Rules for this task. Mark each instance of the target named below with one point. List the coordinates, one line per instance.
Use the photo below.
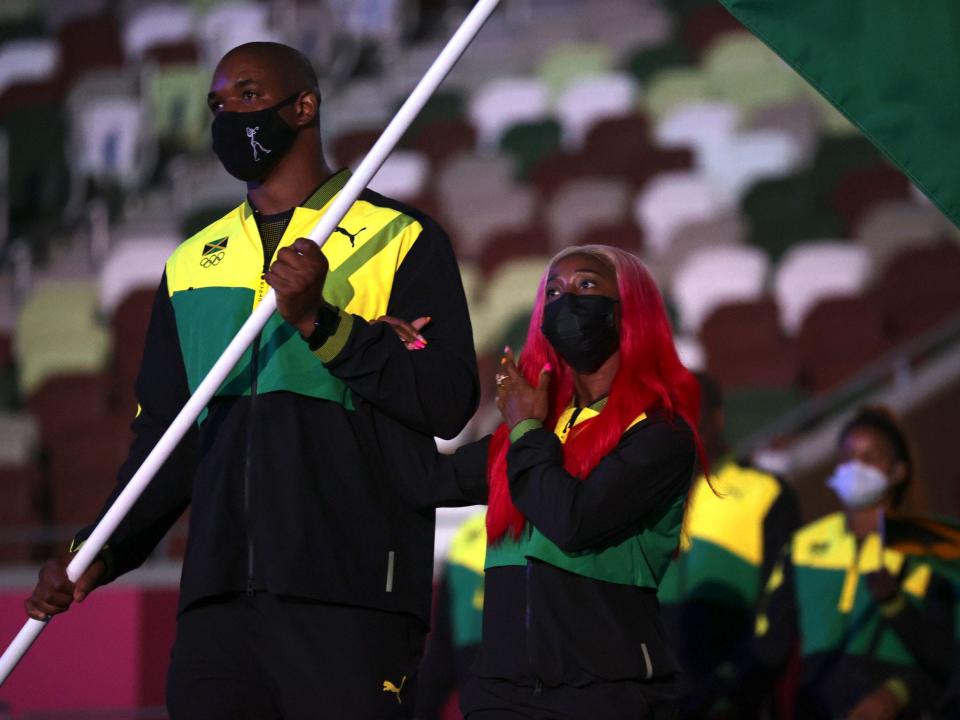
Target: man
(733, 532)
(306, 584)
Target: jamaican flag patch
(213, 252)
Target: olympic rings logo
(211, 260)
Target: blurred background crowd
(802, 271)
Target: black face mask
(249, 144)
(582, 329)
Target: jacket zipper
(527, 623)
(247, 466)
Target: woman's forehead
(579, 262)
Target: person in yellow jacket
(734, 528)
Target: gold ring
(500, 378)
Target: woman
(874, 624)
(587, 480)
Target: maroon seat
(705, 25)
(839, 337)
(626, 135)
(83, 468)
(33, 94)
(920, 288)
(184, 52)
(555, 170)
(745, 346)
(89, 42)
(20, 490)
(862, 188)
(64, 403)
(351, 146)
(506, 245)
(129, 327)
(624, 235)
(443, 139)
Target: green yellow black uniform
(850, 645)
(303, 472)
(733, 533)
(571, 625)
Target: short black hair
(292, 58)
(882, 420)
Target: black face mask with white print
(582, 329)
(249, 144)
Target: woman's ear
(898, 473)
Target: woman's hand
(408, 332)
(516, 399)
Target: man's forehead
(243, 68)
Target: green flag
(892, 67)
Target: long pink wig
(650, 377)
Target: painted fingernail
(506, 348)
(422, 339)
(548, 368)
(419, 344)
(503, 361)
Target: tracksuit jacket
(303, 472)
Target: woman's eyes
(587, 284)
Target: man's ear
(307, 107)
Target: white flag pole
(254, 324)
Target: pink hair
(650, 376)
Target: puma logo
(350, 236)
(390, 687)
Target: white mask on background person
(857, 484)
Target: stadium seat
(63, 403)
(672, 200)
(505, 246)
(813, 271)
(714, 276)
(581, 204)
(591, 98)
(919, 288)
(748, 157)
(729, 229)
(625, 135)
(699, 125)
(357, 106)
(402, 176)
(156, 24)
(624, 235)
(112, 143)
(530, 142)
(673, 88)
(83, 469)
(57, 13)
(798, 118)
(745, 346)
(89, 42)
(624, 27)
(443, 139)
(889, 227)
(128, 326)
(691, 353)
(28, 60)
(646, 62)
(740, 69)
(705, 25)
(231, 23)
(20, 494)
(177, 94)
(505, 102)
(133, 263)
(861, 188)
(21, 440)
(510, 292)
(838, 337)
(564, 63)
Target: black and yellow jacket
(302, 473)
(732, 536)
(849, 644)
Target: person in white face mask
(873, 625)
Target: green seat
(837, 156)
(510, 292)
(671, 88)
(832, 121)
(22, 27)
(39, 180)
(566, 62)
(443, 105)
(742, 70)
(786, 211)
(645, 63)
(178, 106)
(751, 409)
(58, 332)
(528, 143)
(12, 11)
